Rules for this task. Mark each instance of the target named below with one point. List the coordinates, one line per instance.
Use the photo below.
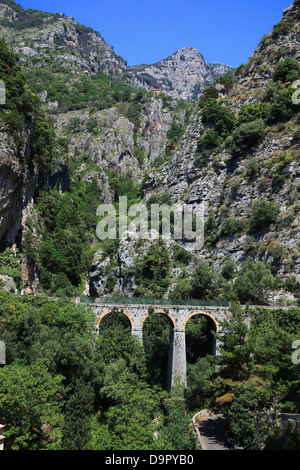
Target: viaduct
(178, 315)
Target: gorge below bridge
(137, 312)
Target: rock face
(11, 193)
(111, 144)
(70, 45)
(183, 75)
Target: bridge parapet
(178, 314)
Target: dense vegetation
(67, 387)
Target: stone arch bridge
(178, 315)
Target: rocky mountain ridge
(183, 75)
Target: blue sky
(146, 32)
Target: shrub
(220, 117)
(226, 80)
(282, 28)
(156, 262)
(247, 135)
(296, 136)
(209, 93)
(10, 266)
(281, 106)
(251, 112)
(287, 70)
(263, 214)
(209, 141)
(232, 226)
(251, 281)
(92, 124)
(202, 285)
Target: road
(212, 431)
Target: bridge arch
(201, 312)
(163, 312)
(119, 310)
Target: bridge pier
(138, 332)
(177, 358)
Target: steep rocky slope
(231, 183)
(239, 186)
(236, 150)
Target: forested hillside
(76, 132)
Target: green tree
(235, 353)
(199, 379)
(247, 135)
(246, 403)
(287, 70)
(219, 116)
(202, 285)
(263, 213)
(156, 339)
(31, 402)
(252, 280)
(176, 429)
(77, 417)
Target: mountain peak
(182, 75)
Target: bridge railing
(141, 301)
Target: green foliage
(156, 339)
(257, 373)
(26, 18)
(282, 28)
(173, 135)
(199, 377)
(64, 252)
(156, 262)
(209, 93)
(92, 124)
(123, 185)
(235, 352)
(263, 213)
(209, 141)
(252, 280)
(43, 142)
(218, 116)
(77, 417)
(287, 70)
(296, 136)
(251, 112)
(247, 401)
(177, 427)
(281, 106)
(287, 439)
(22, 108)
(226, 80)
(202, 284)
(199, 338)
(232, 226)
(11, 266)
(31, 403)
(247, 135)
